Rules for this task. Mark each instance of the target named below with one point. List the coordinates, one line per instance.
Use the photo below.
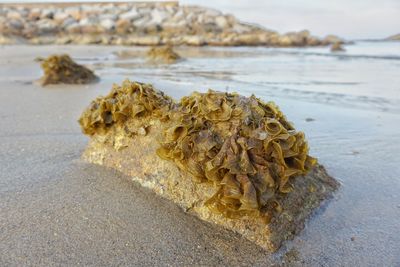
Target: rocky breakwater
(137, 24)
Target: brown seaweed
(62, 69)
(129, 100)
(243, 147)
(246, 148)
(163, 54)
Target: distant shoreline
(138, 23)
(66, 3)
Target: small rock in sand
(163, 54)
(337, 47)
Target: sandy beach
(58, 210)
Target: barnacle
(62, 69)
(244, 147)
(163, 54)
(241, 146)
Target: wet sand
(57, 210)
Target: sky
(351, 19)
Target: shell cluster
(243, 147)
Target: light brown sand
(56, 210)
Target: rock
(89, 25)
(113, 17)
(193, 40)
(221, 22)
(60, 16)
(15, 25)
(91, 29)
(123, 26)
(73, 27)
(34, 14)
(240, 28)
(68, 22)
(331, 39)
(142, 22)
(395, 37)
(337, 47)
(43, 40)
(74, 12)
(304, 34)
(212, 12)
(15, 15)
(47, 14)
(313, 41)
(131, 15)
(108, 24)
(30, 30)
(247, 39)
(5, 40)
(3, 25)
(115, 143)
(163, 54)
(172, 26)
(301, 38)
(157, 17)
(285, 40)
(47, 26)
(89, 39)
(63, 40)
(151, 40)
(88, 21)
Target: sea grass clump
(62, 69)
(130, 100)
(244, 147)
(163, 54)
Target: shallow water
(346, 103)
(366, 75)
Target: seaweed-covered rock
(163, 54)
(228, 159)
(130, 100)
(337, 47)
(62, 69)
(243, 146)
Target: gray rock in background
(140, 23)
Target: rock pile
(137, 24)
